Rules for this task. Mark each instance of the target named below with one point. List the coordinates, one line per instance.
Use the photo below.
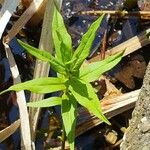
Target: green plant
(73, 80)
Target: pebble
(145, 126)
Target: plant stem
(63, 138)
(4, 91)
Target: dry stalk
(120, 14)
(5, 133)
(21, 101)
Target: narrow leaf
(62, 40)
(83, 49)
(40, 85)
(48, 102)
(69, 114)
(86, 97)
(94, 70)
(45, 56)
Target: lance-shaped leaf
(94, 70)
(83, 49)
(62, 40)
(40, 85)
(45, 56)
(86, 97)
(69, 107)
(48, 102)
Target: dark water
(78, 24)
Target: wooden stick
(111, 107)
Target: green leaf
(40, 85)
(85, 95)
(48, 102)
(94, 70)
(45, 56)
(69, 107)
(83, 49)
(62, 40)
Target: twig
(121, 14)
(103, 47)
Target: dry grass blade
(5, 133)
(25, 128)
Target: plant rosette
(73, 80)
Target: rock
(138, 134)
